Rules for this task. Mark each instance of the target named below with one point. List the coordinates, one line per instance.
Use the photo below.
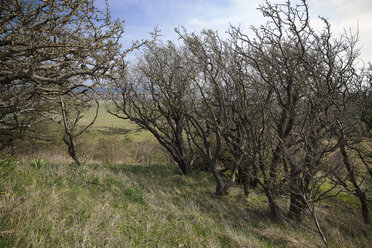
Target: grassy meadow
(109, 139)
(129, 195)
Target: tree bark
(358, 191)
(70, 142)
(275, 210)
(183, 166)
(296, 206)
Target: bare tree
(154, 95)
(50, 48)
(299, 71)
(213, 123)
(72, 108)
(363, 134)
(276, 55)
(346, 115)
(351, 148)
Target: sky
(141, 16)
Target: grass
(120, 199)
(121, 205)
(115, 139)
(110, 138)
(107, 124)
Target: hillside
(259, 135)
(120, 205)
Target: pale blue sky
(141, 16)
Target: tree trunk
(69, 141)
(241, 175)
(296, 206)
(220, 190)
(184, 167)
(183, 164)
(275, 210)
(358, 191)
(365, 210)
(246, 184)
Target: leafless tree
(276, 55)
(154, 95)
(214, 123)
(49, 48)
(355, 177)
(299, 71)
(72, 108)
(362, 135)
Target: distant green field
(107, 125)
(108, 139)
(105, 119)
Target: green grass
(120, 205)
(107, 124)
(110, 204)
(109, 139)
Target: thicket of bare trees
(271, 108)
(281, 102)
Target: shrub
(38, 163)
(6, 165)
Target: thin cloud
(143, 15)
